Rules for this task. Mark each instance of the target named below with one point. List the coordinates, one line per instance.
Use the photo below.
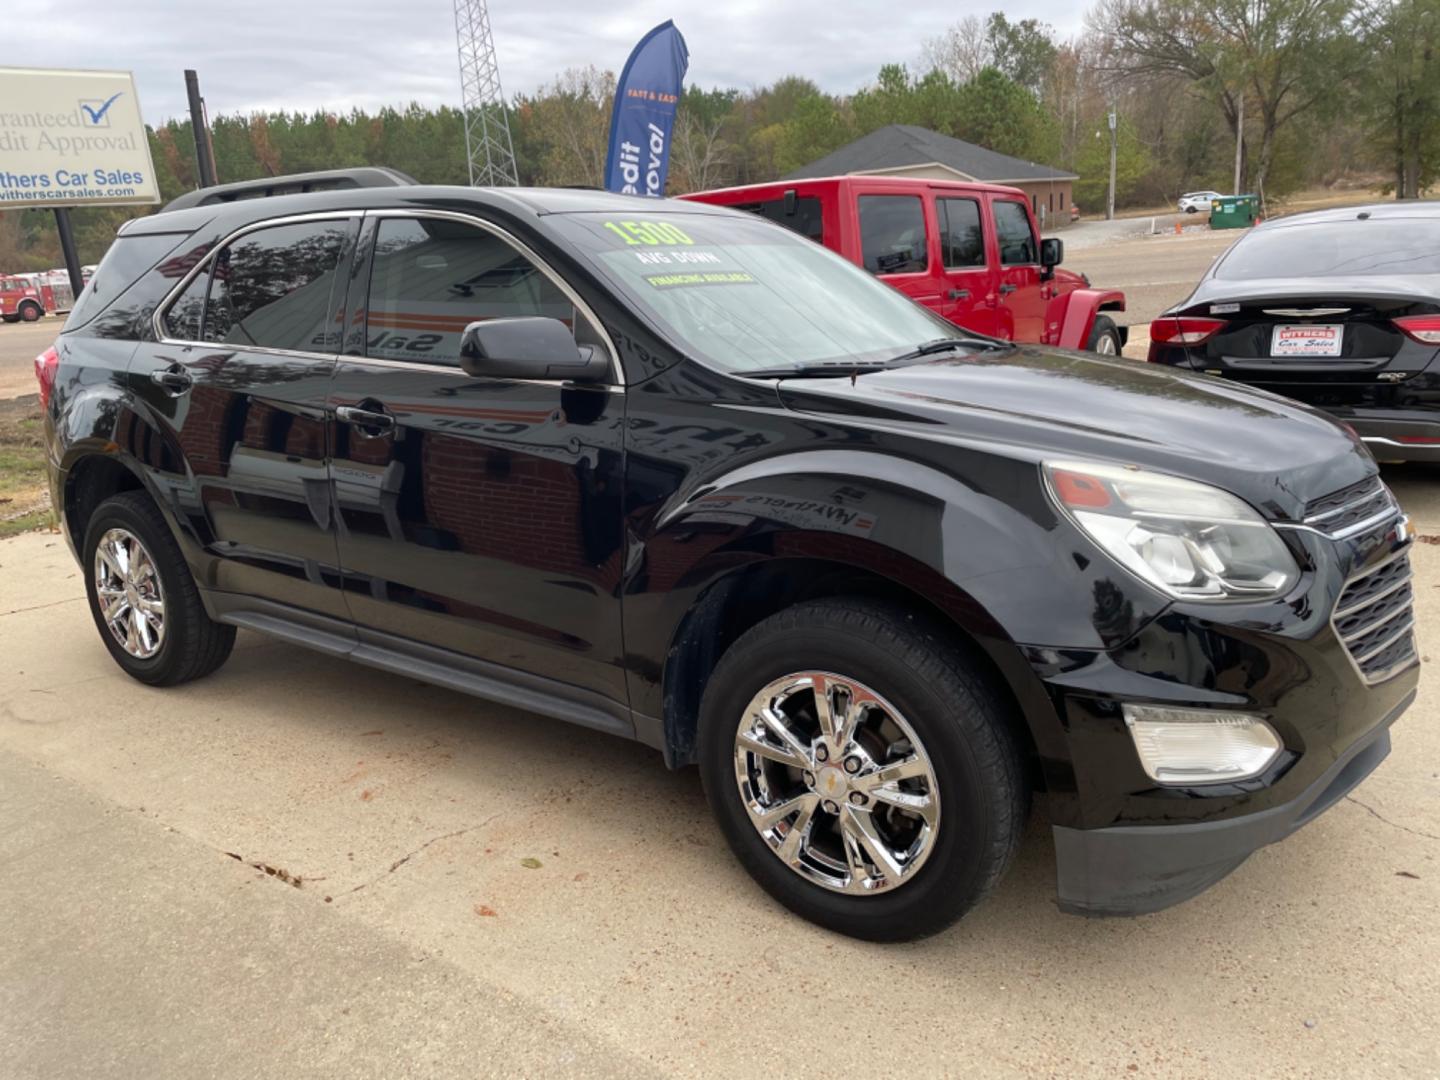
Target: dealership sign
(72, 138)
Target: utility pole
(200, 126)
(1110, 199)
(1239, 144)
(67, 248)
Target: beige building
(905, 150)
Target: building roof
(900, 145)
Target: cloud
(303, 55)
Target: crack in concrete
(1381, 817)
(38, 607)
(411, 854)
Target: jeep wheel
(1104, 337)
(143, 598)
(861, 770)
(31, 312)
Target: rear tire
(1104, 337)
(974, 784)
(151, 619)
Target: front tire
(1104, 337)
(143, 598)
(31, 312)
(862, 770)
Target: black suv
(675, 473)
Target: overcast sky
(334, 54)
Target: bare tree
(961, 52)
(699, 151)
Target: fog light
(1200, 746)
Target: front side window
(432, 277)
(744, 295)
(1012, 229)
(961, 240)
(271, 289)
(892, 234)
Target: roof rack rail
(269, 186)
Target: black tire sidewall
(1104, 326)
(127, 513)
(30, 313)
(958, 870)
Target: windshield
(1336, 249)
(747, 295)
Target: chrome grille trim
(1341, 613)
(1380, 602)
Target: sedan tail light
(1184, 330)
(46, 365)
(1422, 328)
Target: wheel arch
(1077, 310)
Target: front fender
(1074, 313)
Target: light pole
(1110, 199)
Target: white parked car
(1196, 201)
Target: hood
(1039, 403)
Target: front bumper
(1132, 870)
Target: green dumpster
(1233, 211)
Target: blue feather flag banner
(644, 116)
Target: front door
(1021, 314)
(480, 516)
(236, 388)
(895, 246)
(970, 283)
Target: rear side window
(961, 241)
(1012, 229)
(271, 289)
(124, 264)
(892, 234)
(806, 220)
(432, 277)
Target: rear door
(970, 282)
(237, 388)
(1021, 312)
(898, 244)
(478, 516)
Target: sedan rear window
(1335, 249)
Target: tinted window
(1336, 249)
(432, 277)
(892, 234)
(271, 288)
(184, 316)
(805, 220)
(745, 295)
(1012, 229)
(123, 265)
(960, 236)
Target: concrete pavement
(20, 343)
(387, 835)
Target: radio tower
(487, 132)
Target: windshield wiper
(816, 371)
(943, 345)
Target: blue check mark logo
(96, 115)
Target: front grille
(1375, 618)
(1350, 509)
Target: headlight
(1189, 540)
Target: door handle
(174, 380)
(959, 294)
(367, 424)
(1007, 289)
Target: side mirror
(529, 347)
(1052, 253)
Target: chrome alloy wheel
(837, 783)
(1106, 346)
(127, 588)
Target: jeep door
(898, 245)
(233, 399)
(970, 296)
(1021, 311)
(480, 518)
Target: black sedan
(1339, 309)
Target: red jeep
(969, 252)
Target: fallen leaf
(366, 795)
(531, 864)
(487, 912)
(1407, 873)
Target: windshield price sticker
(713, 277)
(651, 233)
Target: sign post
(72, 138)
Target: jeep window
(271, 288)
(1012, 229)
(123, 265)
(806, 220)
(744, 295)
(432, 277)
(960, 237)
(892, 234)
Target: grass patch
(24, 493)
